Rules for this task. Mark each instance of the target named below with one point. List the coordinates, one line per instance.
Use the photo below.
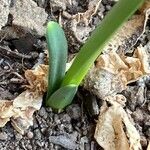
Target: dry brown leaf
(81, 32)
(113, 72)
(110, 132)
(23, 120)
(28, 99)
(117, 99)
(6, 109)
(130, 32)
(38, 78)
(86, 16)
(20, 110)
(120, 140)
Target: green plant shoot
(57, 48)
(87, 55)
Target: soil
(73, 128)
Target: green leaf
(95, 44)
(57, 48)
(62, 97)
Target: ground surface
(74, 128)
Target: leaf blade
(62, 97)
(57, 48)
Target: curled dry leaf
(117, 99)
(113, 72)
(86, 16)
(114, 131)
(5, 112)
(81, 33)
(20, 110)
(130, 32)
(38, 78)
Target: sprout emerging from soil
(62, 88)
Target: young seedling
(57, 48)
(89, 52)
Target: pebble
(65, 118)
(39, 143)
(37, 134)
(30, 135)
(49, 109)
(69, 128)
(18, 136)
(29, 147)
(108, 7)
(6, 67)
(63, 140)
(138, 115)
(74, 111)
(43, 113)
(43, 130)
(3, 136)
(56, 119)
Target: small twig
(3, 37)
(16, 80)
(5, 51)
(13, 80)
(18, 75)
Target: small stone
(30, 135)
(3, 136)
(49, 132)
(39, 143)
(63, 140)
(18, 136)
(65, 118)
(69, 128)
(138, 115)
(56, 119)
(147, 121)
(35, 124)
(49, 109)
(108, 7)
(85, 132)
(37, 134)
(42, 112)
(43, 130)
(6, 67)
(29, 147)
(74, 111)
